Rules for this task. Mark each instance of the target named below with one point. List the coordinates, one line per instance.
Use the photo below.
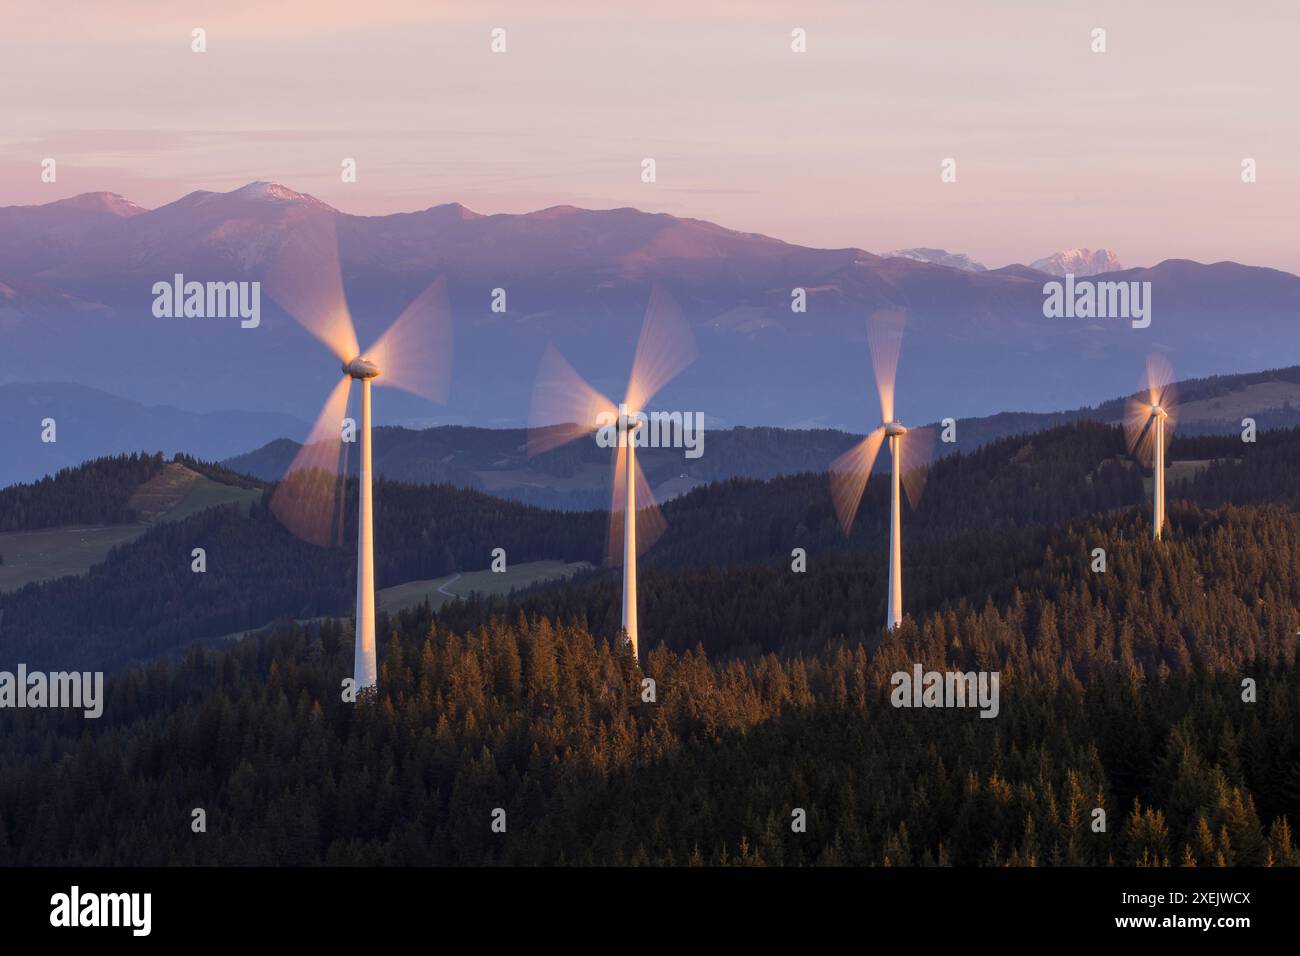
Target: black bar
(211, 905)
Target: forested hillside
(575, 476)
(979, 512)
(1222, 588)
(549, 725)
(96, 492)
(146, 600)
(1120, 689)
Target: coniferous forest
(548, 724)
(1160, 691)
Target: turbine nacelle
(894, 429)
(626, 423)
(1158, 412)
(360, 368)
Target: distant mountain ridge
(780, 327)
(89, 423)
(577, 477)
(940, 257)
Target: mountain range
(577, 476)
(75, 305)
(1077, 262)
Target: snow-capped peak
(940, 257)
(270, 192)
(1079, 262)
(101, 202)
(261, 193)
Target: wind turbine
(1149, 421)
(414, 354)
(566, 407)
(909, 449)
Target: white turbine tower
(565, 408)
(909, 451)
(414, 354)
(1149, 420)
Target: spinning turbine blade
(1169, 402)
(1138, 433)
(849, 474)
(885, 339)
(564, 406)
(917, 453)
(303, 500)
(665, 347)
(415, 353)
(650, 523)
(1163, 390)
(343, 484)
(1159, 376)
(306, 280)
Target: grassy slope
(439, 590)
(50, 553)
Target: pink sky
(1137, 149)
